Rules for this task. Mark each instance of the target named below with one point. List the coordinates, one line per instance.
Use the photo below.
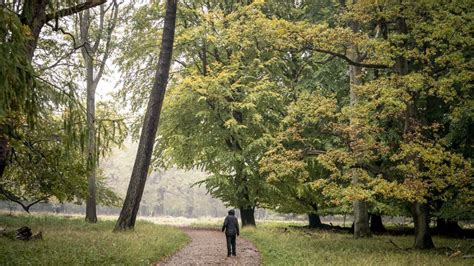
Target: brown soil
(208, 247)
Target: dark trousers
(230, 244)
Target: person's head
(231, 212)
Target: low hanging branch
(12, 197)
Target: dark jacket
(231, 225)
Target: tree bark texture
(91, 212)
(420, 211)
(247, 216)
(131, 204)
(313, 217)
(421, 219)
(376, 224)
(314, 220)
(3, 151)
(361, 214)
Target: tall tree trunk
(247, 216)
(361, 214)
(91, 212)
(90, 55)
(421, 219)
(361, 211)
(33, 16)
(131, 204)
(376, 224)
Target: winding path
(208, 247)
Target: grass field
(71, 241)
(318, 247)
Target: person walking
(231, 228)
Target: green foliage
(73, 241)
(42, 166)
(397, 135)
(261, 100)
(17, 86)
(43, 119)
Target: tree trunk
(361, 219)
(131, 204)
(3, 151)
(91, 212)
(421, 219)
(376, 224)
(420, 211)
(247, 216)
(313, 217)
(34, 16)
(90, 55)
(314, 220)
(361, 215)
(448, 227)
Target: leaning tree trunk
(376, 224)
(131, 204)
(247, 215)
(421, 220)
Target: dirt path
(208, 247)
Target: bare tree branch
(74, 9)
(346, 58)
(84, 44)
(12, 197)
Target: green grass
(296, 247)
(71, 241)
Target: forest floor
(72, 241)
(208, 247)
(284, 245)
